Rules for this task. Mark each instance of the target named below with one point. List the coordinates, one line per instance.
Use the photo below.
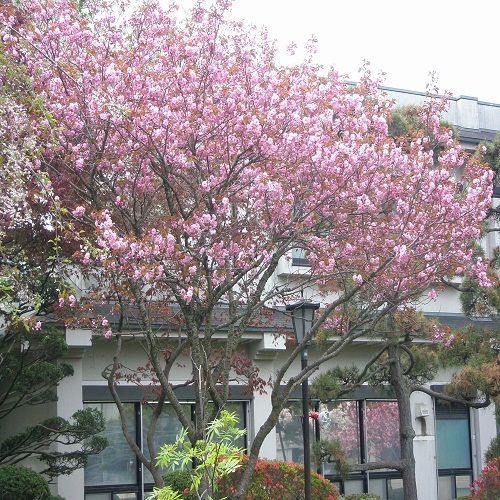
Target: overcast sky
(459, 41)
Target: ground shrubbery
(272, 479)
(362, 496)
(487, 486)
(493, 450)
(279, 479)
(180, 481)
(22, 483)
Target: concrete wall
(464, 111)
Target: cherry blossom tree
(189, 165)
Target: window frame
(140, 487)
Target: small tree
(30, 369)
(22, 483)
(213, 458)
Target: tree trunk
(406, 432)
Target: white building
(450, 441)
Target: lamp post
(302, 319)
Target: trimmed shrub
(22, 483)
(487, 486)
(180, 481)
(362, 496)
(493, 450)
(273, 479)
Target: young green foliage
(214, 458)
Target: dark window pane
(117, 463)
(239, 409)
(382, 431)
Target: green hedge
(362, 496)
(493, 450)
(22, 483)
(271, 480)
(180, 481)
(276, 479)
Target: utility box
(421, 410)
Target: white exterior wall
(483, 431)
(425, 446)
(69, 401)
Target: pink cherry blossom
(201, 165)
(79, 211)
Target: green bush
(362, 496)
(22, 483)
(180, 480)
(493, 450)
(273, 479)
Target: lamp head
(302, 317)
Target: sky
(458, 41)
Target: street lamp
(302, 319)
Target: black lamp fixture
(302, 313)
(302, 317)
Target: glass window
(453, 443)
(167, 428)
(353, 487)
(289, 435)
(395, 489)
(378, 487)
(343, 425)
(368, 431)
(382, 431)
(462, 485)
(299, 257)
(115, 474)
(452, 486)
(445, 488)
(240, 409)
(117, 463)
